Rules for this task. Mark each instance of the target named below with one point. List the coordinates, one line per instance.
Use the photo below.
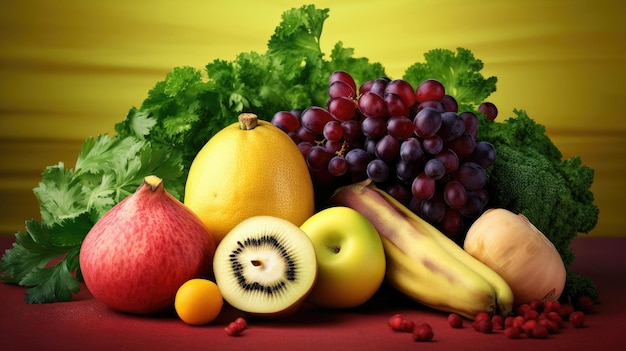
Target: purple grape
(340, 89)
(471, 175)
(411, 150)
(427, 122)
(341, 108)
(374, 128)
(318, 158)
(358, 160)
(337, 166)
(400, 127)
(314, 119)
(405, 171)
(484, 154)
(449, 159)
(423, 187)
(432, 145)
(452, 126)
(387, 148)
(286, 121)
(454, 194)
(434, 209)
(372, 105)
(434, 169)
(333, 131)
(378, 170)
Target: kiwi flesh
(265, 266)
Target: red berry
(577, 319)
(538, 332)
(423, 332)
(498, 322)
(536, 305)
(555, 317)
(565, 310)
(484, 326)
(508, 321)
(395, 322)
(481, 315)
(532, 314)
(512, 332)
(585, 304)
(241, 323)
(528, 326)
(522, 309)
(518, 321)
(230, 331)
(551, 326)
(551, 306)
(407, 325)
(235, 328)
(455, 320)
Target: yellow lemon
(198, 301)
(247, 169)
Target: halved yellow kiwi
(265, 266)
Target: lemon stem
(248, 121)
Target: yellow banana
(422, 262)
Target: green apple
(350, 257)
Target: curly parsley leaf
(45, 258)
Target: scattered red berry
(528, 326)
(551, 326)
(565, 310)
(508, 321)
(551, 306)
(483, 325)
(482, 315)
(531, 314)
(538, 332)
(518, 321)
(513, 332)
(522, 309)
(555, 317)
(423, 332)
(241, 323)
(407, 325)
(395, 322)
(577, 319)
(585, 304)
(235, 328)
(498, 322)
(455, 320)
(536, 305)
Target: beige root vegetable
(513, 247)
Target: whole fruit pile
(412, 142)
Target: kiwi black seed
(264, 265)
(269, 242)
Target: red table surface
(86, 324)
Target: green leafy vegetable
(459, 72)
(531, 177)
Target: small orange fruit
(247, 169)
(198, 301)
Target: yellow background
(72, 69)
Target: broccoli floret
(530, 177)
(459, 72)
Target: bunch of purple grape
(413, 143)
